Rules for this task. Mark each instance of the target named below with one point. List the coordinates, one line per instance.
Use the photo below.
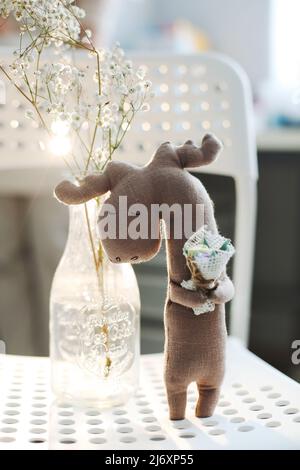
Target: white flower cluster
(53, 20)
(93, 98)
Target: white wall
(239, 28)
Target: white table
(259, 409)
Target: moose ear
(192, 156)
(90, 187)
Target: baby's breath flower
(99, 100)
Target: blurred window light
(60, 146)
(286, 42)
(60, 128)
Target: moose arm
(192, 156)
(224, 291)
(185, 297)
(91, 186)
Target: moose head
(161, 181)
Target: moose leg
(207, 401)
(177, 402)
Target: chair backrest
(203, 93)
(195, 94)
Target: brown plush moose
(194, 345)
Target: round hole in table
(159, 437)
(291, 411)
(149, 419)
(266, 388)
(249, 400)
(97, 440)
(93, 422)
(37, 430)
(224, 403)
(127, 439)
(209, 423)
(38, 413)
(66, 413)
(37, 440)
(153, 428)
(38, 422)
(11, 412)
(125, 429)
(7, 439)
(230, 411)
(256, 407)
(237, 419)
(122, 421)
(246, 428)
(282, 403)
(264, 416)
(146, 411)
(67, 431)
(96, 431)
(181, 424)
(67, 440)
(142, 403)
(274, 395)
(66, 422)
(217, 432)
(10, 421)
(273, 424)
(8, 430)
(187, 435)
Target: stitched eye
(134, 258)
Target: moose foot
(207, 401)
(177, 404)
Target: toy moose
(194, 345)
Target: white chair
(203, 93)
(195, 94)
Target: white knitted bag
(212, 264)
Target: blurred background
(264, 37)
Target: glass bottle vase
(94, 319)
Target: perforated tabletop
(259, 409)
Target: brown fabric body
(194, 345)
